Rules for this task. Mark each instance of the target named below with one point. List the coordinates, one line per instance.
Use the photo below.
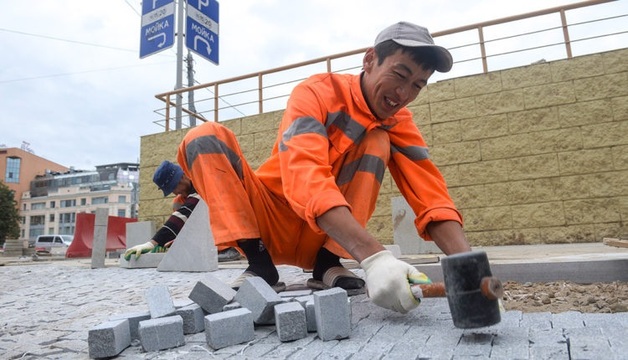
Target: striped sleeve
(175, 222)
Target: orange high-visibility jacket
(299, 168)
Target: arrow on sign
(201, 35)
(163, 40)
(157, 30)
(200, 38)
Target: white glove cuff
(368, 262)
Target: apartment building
(54, 198)
(19, 166)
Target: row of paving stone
(227, 317)
(47, 310)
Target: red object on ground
(84, 235)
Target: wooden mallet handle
(428, 290)
(490, 287)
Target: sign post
(157, 32)
(201, 33)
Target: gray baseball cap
(411, 35)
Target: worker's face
(393, 84)
(184, 187)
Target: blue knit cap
(167, 177)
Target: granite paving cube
(567, 319)
(212, 294)
(229, 328)
(231, 306)
(134, 321)
(547, 344)
(159, 301)
(511, 343)
(310, 316)
(256, 295)
(549, 352)
(290, 321)
(333, 314)
(295, 293)
(546, 336)
(617, 338)
(509, 319)
(193, 318)
(161, 333)
(303, 299)
(179, 303)
(539, 320)
(109, 338)
(590, 347)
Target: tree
(9, 214)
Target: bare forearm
(341, 226)
(448, 236)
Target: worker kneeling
(308, 204)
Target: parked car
(45, 242)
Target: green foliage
(9, 214)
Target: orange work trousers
(242, 207)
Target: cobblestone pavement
(47, 309)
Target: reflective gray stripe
(304, 125)
(212, 145)
(413, 153)
(351, 128)
(367, 163)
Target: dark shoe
(229, 254)
(337, 276)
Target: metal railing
(476, 48)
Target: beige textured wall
(536, 154)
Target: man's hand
(139, 250)
(388, 281)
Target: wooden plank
(621, 243)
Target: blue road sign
(201, 29)
(157, 26)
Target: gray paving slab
(159, 301)
(139, 232)
(99, 243)
(193, 249)
(48, 317)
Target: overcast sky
(74, 90)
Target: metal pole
(563, 21)
(179, 83)
(190, 71)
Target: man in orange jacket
(309, 203)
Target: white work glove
(139, 250)
(388, 281)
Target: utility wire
(79, 43)
(98, 46)
(132, 8)
(66, 40)
(77, 72)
